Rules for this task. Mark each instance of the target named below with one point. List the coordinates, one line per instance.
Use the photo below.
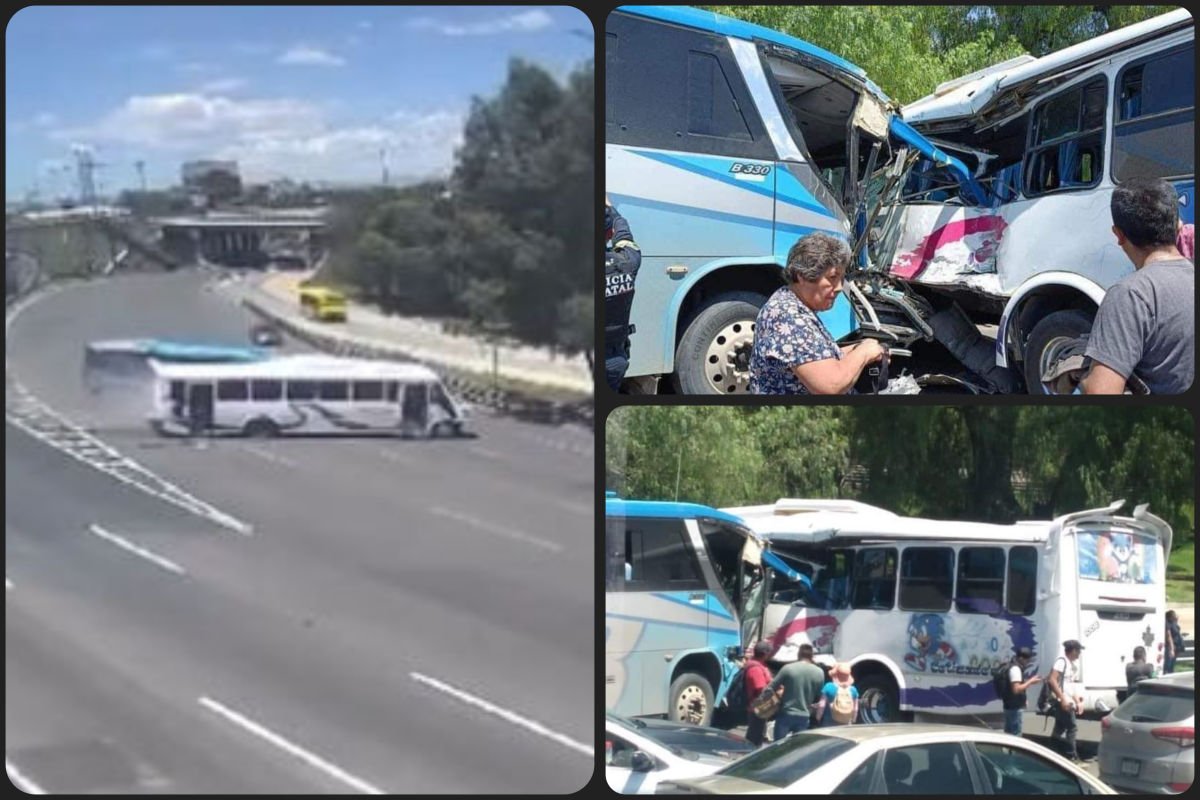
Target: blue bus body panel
(615, 507)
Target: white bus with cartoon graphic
(924, 610)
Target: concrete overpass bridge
(247, 239)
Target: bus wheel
(261, 429)
(691, 699)
(878, 699)
(1047, 341)
(713, 356)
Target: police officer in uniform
(621, 261)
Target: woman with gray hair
(793, 351)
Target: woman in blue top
(839, 698)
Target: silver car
(1148, 745)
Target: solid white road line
(505, 714)
(20, 781)
(292, 749)
(125, 544)
(499, 530)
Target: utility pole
(141, 171)
(383, 164)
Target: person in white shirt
(1064, 687)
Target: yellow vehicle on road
(322, 303)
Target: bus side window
(980, 580)
(266, 389)
(438, 396)
(232, 390)
(333, 390)
(874, 578)
(926, 578)
(1022, 580)
(301, 390)
(178, 392)
(368, 390)
(1155, 98)
(660, 557)
(392, 390)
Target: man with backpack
(756, 677)
(801, 682)
(1012, 686)
(1137, 670)
(839, 698)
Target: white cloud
(45, 119)
(223, 85)
(272, 138)
(314, 56)
(521, 22)
(252, 48)
(365, 24)
(180, 121)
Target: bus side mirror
(641, 762)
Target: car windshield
(786, 762)
(1158, 704)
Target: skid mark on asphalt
(503, 713)
(291, 749)
(491, 527)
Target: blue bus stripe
(756, 188)
(722, 216)
(719, 610)
(650, 621)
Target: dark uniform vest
(621, 264)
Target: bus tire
(878, 698)
(1045, 341)
(691, 699)
(260, 428)
(713, 356)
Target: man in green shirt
(801, 681)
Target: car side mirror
(640, 761)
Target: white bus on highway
(306, 394)
(924, 610)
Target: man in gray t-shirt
(1146, 325)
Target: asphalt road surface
(403, 616)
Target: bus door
(414, 408)
(200, 407)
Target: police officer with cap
(622, 258)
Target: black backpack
(1000, 681)
(736, 696)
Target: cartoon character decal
(927, 643)
(1116, 557)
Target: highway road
(399, 616)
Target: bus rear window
(1117, 556)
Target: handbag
(767, 703)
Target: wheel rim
(691, 705)
(875, 706)
(1050, 354)
(727, 360)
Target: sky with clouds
(304, 92)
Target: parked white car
(897, 758)
(640, 753)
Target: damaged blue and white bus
(726, 141)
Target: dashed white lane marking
(491, 527)
(125, 544)
(20, 780)
(295, 750)
(505, 714)
(267, 455)
(486, 453)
